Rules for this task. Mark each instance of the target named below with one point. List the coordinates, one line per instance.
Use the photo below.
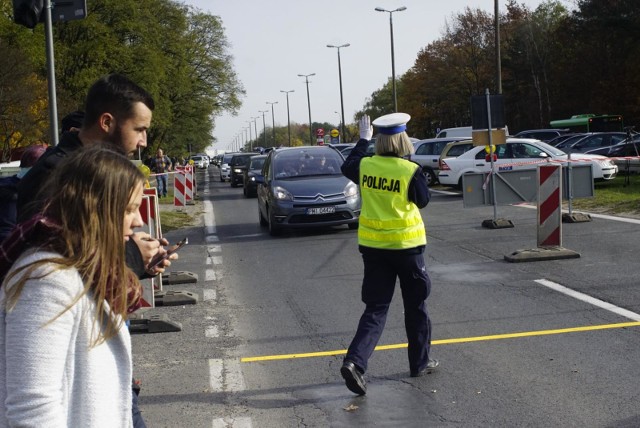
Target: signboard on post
(320, 136)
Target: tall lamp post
(264, 127)
(497, 43)
(346, 45)
(288, 117)
(306, 78)
(250, 139)
(255, 127)
(273, 121)
(393, 61)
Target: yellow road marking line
(449, 341)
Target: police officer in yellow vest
(392, 239)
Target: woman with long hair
(65, 351)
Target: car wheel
(221, 178)
(261, 219)
(432, 178)
(353, 226)
(244, 191)
(233, 183)
(274, 229)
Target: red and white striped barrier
(549, 206)
(150, 214)
(179, 189)
(189, 184)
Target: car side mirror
(260, 179)
(544, 155)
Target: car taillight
(443, 166)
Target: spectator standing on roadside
(118, 112)
(161, 165)
(65, 351)
(9, 190)
(392, 239)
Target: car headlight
(237, 171)
(351, 190)
(282, 194)
(252, 178)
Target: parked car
(629, 149)
(517, 154)
(238, 165)
(454, 149)
(251, 174)
(295, 191)
(592, 141)
(541, 134)
(560, 138)
(461, 131)
(427, 154)
(200, 162)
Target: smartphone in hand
(159, 258)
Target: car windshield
(257, 163)
(226, 158)
(240, 160)
(550, 149)
(304, 163)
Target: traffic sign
(334, 133)
(320, 132)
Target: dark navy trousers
(381, 268)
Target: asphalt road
(540, 344)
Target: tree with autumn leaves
(182, 59)
(555, 63)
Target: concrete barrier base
(499, 223)
(153, 324)
(575, 218)
(175, 298)
(541, 254)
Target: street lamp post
(255, 126)
(306, 78)
(250, 139)
(497, 43)
(346, 45)
(393, 61)
(273, 121)
(264, 127)
(288, 117)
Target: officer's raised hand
(366, 130)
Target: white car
(200, 162)
(518, 154)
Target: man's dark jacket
(32, 191)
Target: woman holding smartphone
(65, 351)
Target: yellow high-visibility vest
(388, 220)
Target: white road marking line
(209, 294)
(211, 331)
(588, 299)
(214, 249)
(253, 235)
(225, 375)
(230, 422)
(602, 216)
(211, 239)
(216, 260)
(210, 275)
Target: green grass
(613, 196)
(172, 220)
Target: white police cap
(391, 124)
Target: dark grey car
(303, 187)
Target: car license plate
(321, 210)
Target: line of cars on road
(296, 187)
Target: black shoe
(431, 365)
(353, 378)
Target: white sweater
(49, 375)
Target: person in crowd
(117, 112)
(9, 189)
(65, 351)
(391, 239)
(160, 166)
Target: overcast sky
(274, 41)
